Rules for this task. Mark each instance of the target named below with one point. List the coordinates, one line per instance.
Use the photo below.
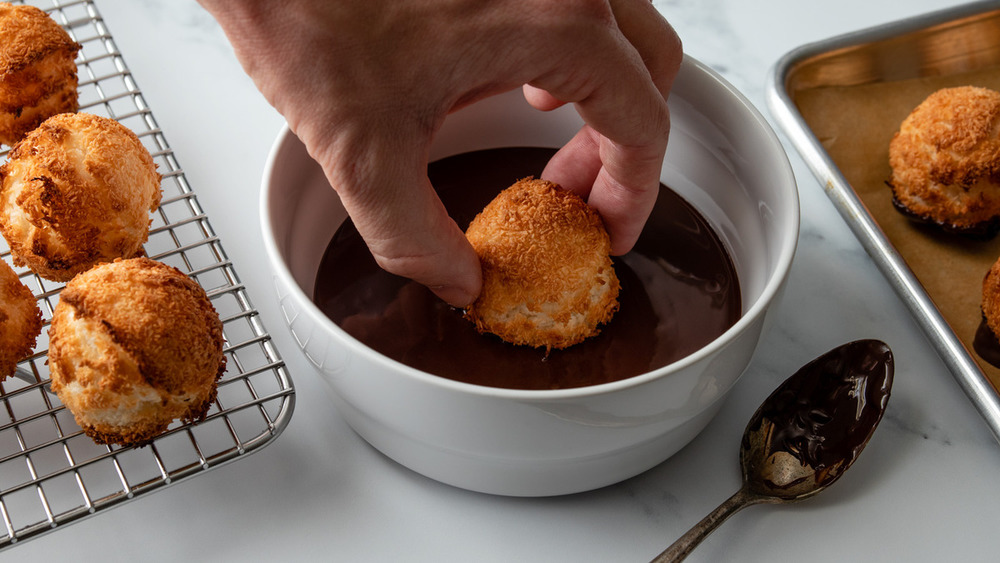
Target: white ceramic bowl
(722, 157)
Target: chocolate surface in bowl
(679, 292)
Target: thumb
(406, 227)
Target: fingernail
(454, 296)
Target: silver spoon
(806, 434)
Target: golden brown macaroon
(37, 70)
(134, 344)
(991, 299)
(77, 191)
(548, 280)
(945, 161)
(20, 321)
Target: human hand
(366, 84)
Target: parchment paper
(855, 125)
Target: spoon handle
(690, 540)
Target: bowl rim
(783, 261)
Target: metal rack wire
(51, 474)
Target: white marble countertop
(924, 490)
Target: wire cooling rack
(51, 474)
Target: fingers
(616, 160)
(415, 238)
(614, 59)
(587, 165)
(384, 187)
(575, 166)
(540, 99)
(626, 189)
(653, 38)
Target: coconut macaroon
(945, 161)
(20, 321)
(134, 345)
(548, 280)
(38, 76)
(991, 299)
(77, 191)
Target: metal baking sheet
(51, 474)
(913, 56)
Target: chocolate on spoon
(806, 433)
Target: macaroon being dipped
(548, 278)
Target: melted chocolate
(679, 292)
(986, 345)
(984, 230)
(825, 413)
